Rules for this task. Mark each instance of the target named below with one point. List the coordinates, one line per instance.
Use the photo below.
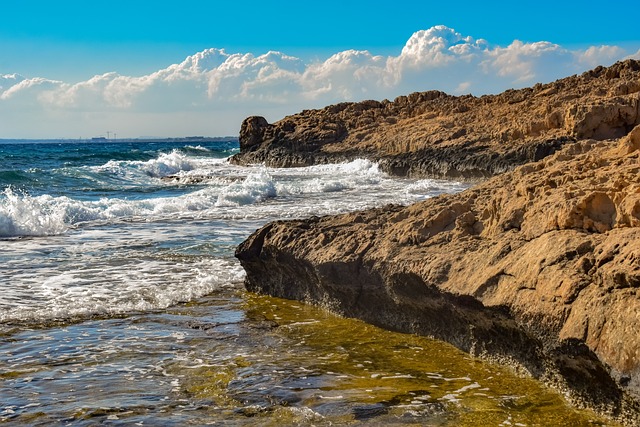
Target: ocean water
(121, 302)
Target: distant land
(98, 140)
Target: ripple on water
(239, 359)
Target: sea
(121, 302)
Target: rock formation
(439, 135)
(538, 267)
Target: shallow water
(234, 358)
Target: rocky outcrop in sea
(537, 268)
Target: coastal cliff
(433, 134)
(537, 268)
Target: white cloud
(598, 55)
(243, 78)
(463, 87)
(634, 55)
(25, 94)
(346, 75)
(438, 47)
(216, 89)
(9, 80)
(525, 62)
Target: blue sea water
(107, 228)
(121, 302)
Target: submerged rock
(439, 135)
(538, 267)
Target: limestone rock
(538, 267)
(252, 132)
(435, 134)
(631, 142)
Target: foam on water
(22, 215)
(196, 148)
(149, 288)
(255, 188)
(165, 164)
(92, 277)
(224, 193)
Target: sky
(72, 69)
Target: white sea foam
(329, 178)
(108, 287)
(164, 165)
(285, 193)
(433, 187)
(22, 215)
(168, 164)
(357, 166)
(256, 187)
(197, 148)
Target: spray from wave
(45, 215)
(23, 215)
(164, 165)
(141, 192)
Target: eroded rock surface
(435, 134)
(538, 267)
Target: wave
(357, 166)
(80, 291)
(426, 188)
(84, 156)
(255, 188)
(114, 175)
(15, 177)
(225, 193)
(164, 165)
(107, 166)
(330, 178)
(22, 215)
(197, 149)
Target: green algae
(241, 359)
(334, 370)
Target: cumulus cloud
(463, 87)
(345, 75)
(634, 55)
(225, 87)
(9, 80)
(439, 46)
(599, 55)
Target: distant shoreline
(119, 140)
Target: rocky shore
(538, 267)
(438, 135)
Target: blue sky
(69, 42)
(132, 35)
